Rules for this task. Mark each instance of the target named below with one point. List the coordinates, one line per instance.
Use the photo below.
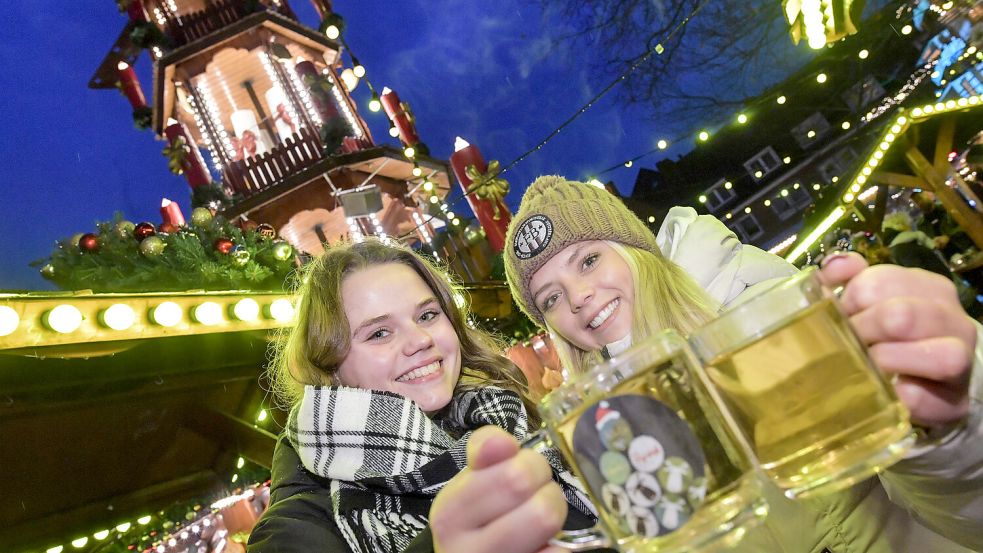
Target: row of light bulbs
(66, 318)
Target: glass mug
(663, 465)
(800, 385)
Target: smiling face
(586, 293)
(401, 340)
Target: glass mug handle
(586, 539)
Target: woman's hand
(915, 328)
(505, 500)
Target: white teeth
(420, 372)
(604, 314)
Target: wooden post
(968, 219)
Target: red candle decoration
(322, 103)
(130, 85)
(464, 155)
(398, 115)
(194, 165)
(170, 213)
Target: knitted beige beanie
(555, 213)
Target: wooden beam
(60, 528)
(965, 217)
(880, 207)
(943, 144)
(247, 439)
(967, 191)
(897, 179)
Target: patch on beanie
(532, 236)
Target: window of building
(763, 163)
(719, 194)
(838, 165)
(812, 129)
(790, 201)
(746, 227)
(863, 93)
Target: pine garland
(189, 261)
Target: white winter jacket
(930, 502)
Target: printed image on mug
(646, 461)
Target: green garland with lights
(188, 258)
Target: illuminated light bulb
(702, 199)
(358, 70)
(628, 163)
(940, 107)
(427, 185)
(349, 79)
(167, 314)
(758, 174)
(434, 199)
(651, 218)
(703, 136)
(816, 41)
(747, 209)
(729, 215)
(417, 171)
(889, 137)
(742, 118)
(456, 222)
(728, 185)
(962, 102)
(450, 214)
(855, 188)
(845, 125)
(781, 100)
(784, 193)
(786, 160)
(55, 549)
(811, 133)
(207, 313)
(332, 32)
(863, 54)
(443, 207)
(79, 543)
(9, 320)
(866, 171)
(973, 100)
(896, 128)
(928, 110)
(246, 309)
(848, 197)
(821, 78)
(393, 131)
(593, 182)
(878, 155)
(815, 186)
(101, 535)
(874, 162)
(662, 144)
(795, 186)
(835, 179)
(281, 310)
(240, 463)
(906, 30)
(950, 104)
(118, 316)
(235, 478)
(374, 103)
(409, 152)
(262, 415)
(63, 319)
(861, 179)
(767, 203)
(123, 527)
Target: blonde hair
(670, 298)
(310, 352)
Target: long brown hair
(310, 352)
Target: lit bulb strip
(781, 246)
(38, 320)
(215, 119)
(275, 79)
(891, 134)
(816, 233)
(204, 134)
(305, 95)
(347, 111)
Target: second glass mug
(800, 385)
(665, 467)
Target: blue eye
(550, 301)
(379, 334)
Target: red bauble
(89, 242)
(167, 228)
(223, 245)
(143, 230)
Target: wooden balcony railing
(186, 28)
(249, 176)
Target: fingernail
(832, 256)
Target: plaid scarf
(386, 460)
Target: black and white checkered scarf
(386, 459)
